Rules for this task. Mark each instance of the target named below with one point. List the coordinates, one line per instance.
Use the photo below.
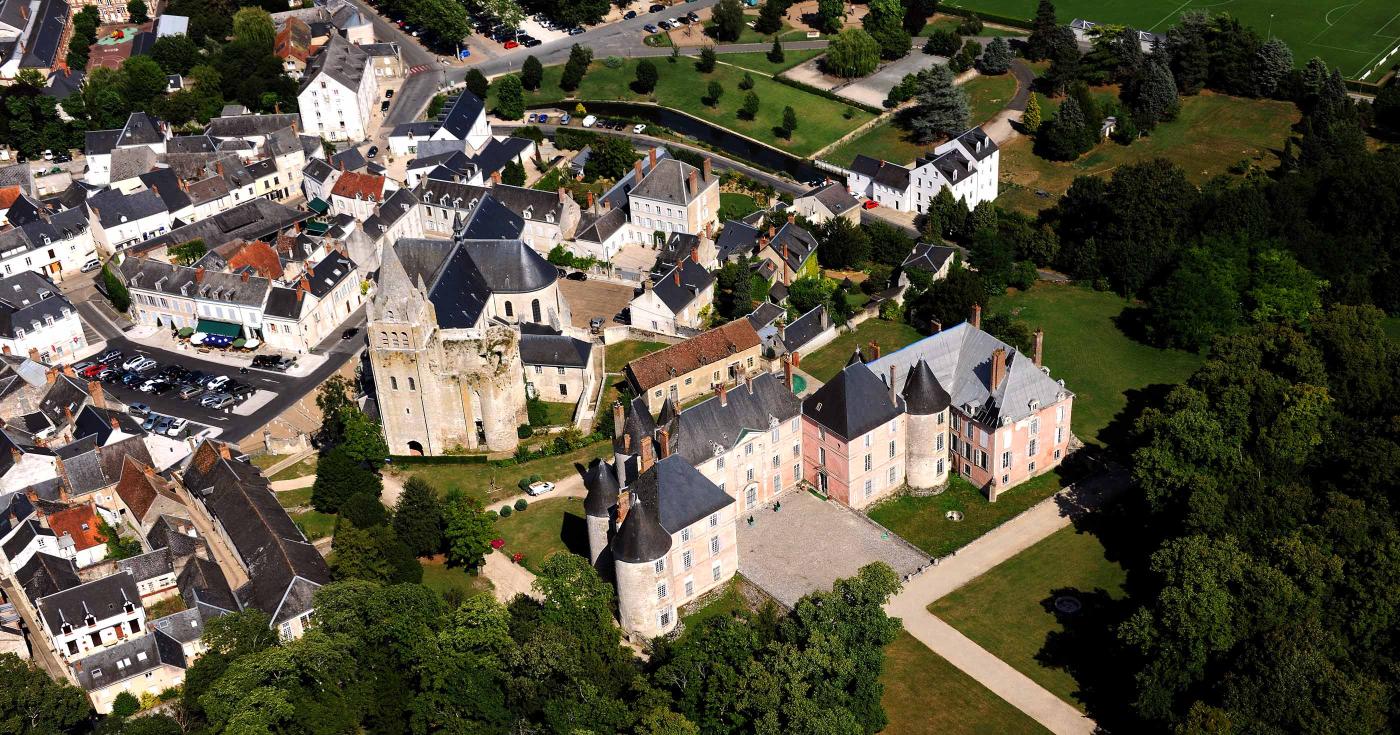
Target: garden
(923, 520)
(531, 531)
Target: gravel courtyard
(811, 543)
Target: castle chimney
(772, 231)
(99, 397)
(68, 414)
(199, 274)
(114, 423)
(651, 157)
(723, 395)
(787, 275)
(647, 459)
(694, 183)
(51, 374)
(617, 418)
(495, 177)
(563, 195)
(787, 373)
(245, 275)
(677, 271)
(792, 219)
(1039, 346)
(705, 168)
(624, 503)
(695, 253)
(998, 367)
(590, 201)
(874, 350)
(16, 455)
(34, 355)
(148, 471)
(224, 452)
(936, 326)
(636, 172)
(68, 370)
(219, 166)
(748, 383)
(626, 443)
(665, 443)
(894, 399)
(709, 230)
(976, 316)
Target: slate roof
(41, 51)
(978, 143)
(668, 181)
(928, 257)
(637, 424)
(704, 349)
(675, 293)
(132, 657)
(765, 314)
(960, 357)
(884, 173)
(330, 272)
(149, 565)
(833, 196)
(14, 508)
(179, 280)
(249, 126)
(100, 142)
(707, 428)
(282, 303)
(254, 219)
(386, 215)
(350, 159)
(462, 275)
(419, 129)
(102, 598)
(166, 185)
(497, 153)
(462, 113)
(555, 350)
(805, 328)
(600, 479)
(128, 163)
(186, 626)
(202, 583)
(531, 204)
(28, 301)
(318, 170)
(172, 532)
(598, 228)
(800, 245)
(65, 393)
(735, 240)
(140, 129)
(45, 574)
(853, 403)
(340, 60)
(114, 208)
(952, 164)
(27, 530)
(669, 496)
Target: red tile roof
(259, 255)
(139, 490)
(713, 346)
(366, 186)
(8, 195)
(81, 523)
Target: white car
(539, 488)
(639, 128)
(590, 121)
(91, 265)
(216, 383)
(133, 362)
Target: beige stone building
(674, 197)
(696, 366)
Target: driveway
(810, 543)
(591, 298)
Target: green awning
(318, 205)
(317, 228)
(208, 326)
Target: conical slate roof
(641, 538)
(923, 394)
(601, 481)
(638, 424)
(856, 357)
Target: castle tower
(926, 401)
(401, 327)
(639, 544)
(631, 430)
(601, 481)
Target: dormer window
(90, 621)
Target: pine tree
(789, 121)
(776, 54)
(770, 17)
(941, 108)
(1031, 117)
(1271, 63)
(647, 77)
(707, 61)
(1042, 30)
(1064, 137)
(513, 174)
(1189, 49)
(510, 98)
(531, 73)
(1154, 97)
(418, 517)
(477, 83)
(747, 82)
(714, 91)
(997, 58)
(749, 110)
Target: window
(661, 591)
(1035, 427)
(891, 449)
(714, 545)
(748, 474)
(1005, 460)
(689, 588)
(867, 441)
(777, 462)
(561, 371)
(535, 309)
(868, 463)
(665, 617)
(940, 466)
(939, 442)
(714, 572)
(539, 370)
(775, 435)
(393, 383)
(716, 378)
(1030, 467)
(1059, 434)
(1006, 479)
(688, 381)
(1030, 448)
(894, 427)
(563, 389)
(797, 450)
(821, 456)
(719, 463)
(714, 520)
(940, 419)
(748, 449)
(750, 362)
(869, 488)
(955, 422)
(1057, 455)
(1059, 414)
(892, 475)
(412, 385)
(685, 560)
(685, 535)
(795, 424)
(797, 472)
(660, 566)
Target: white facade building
(968, 165)
(338, 92)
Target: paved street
(38, 642)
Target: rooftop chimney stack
(647, 458)
(224, 452)
(651, 158)
(617, 418)
(723, 395)
(695, 253)
(694, 183)
(936, 326)
(1039, 346)
(976, 316)
(894, 397)
(677, 271)
(787, 372)
(874, 350)
(705, 167)
(998, 367)
(34, 354)
(665, 443)
(637, 172)
(99, 397)
(563, 195)
(495, 177)
(590, 202)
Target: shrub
(613, 62)
(521, 505)
(524, 431)
(523, 484)
(493, 515)
(506, 511)
(125, 705)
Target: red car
(92, 371)
(870, 204)
(512, 44)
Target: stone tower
(601, 481)
(926, 401)
(441, 390)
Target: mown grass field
(825, 363)
(441, 578)
(1006, 612)
(682, 87)
(1213, 133)
(1100, 364)
(488, 484)
(1352, 35)
(546, 526)
(926, 695)
(759, 61)
(921, 520)
(619, 354)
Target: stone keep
(441, 389)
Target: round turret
(639, 544)
(601, 481)
(927, 404)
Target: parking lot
(594, 298)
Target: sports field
(1356, 36)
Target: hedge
(818, 91)
(445, 459)
(1023, 23)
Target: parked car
(350, 333)
(590, 121)
(388, 94)
(92, 371)
(384, 106)
(629, 15)
(146, 365)
(151, 421)
(177, 427)
(543, 117)
(565, 118)
(132, 378)
(512, 43)
(109, 374)
(657, 8)
(373, 151)
(649, 28)
(530, 41)
(693, 17)
(870, 204)
(190, 391)
(595, 324)
(577, 276)
(639, 128)
(133, 362)
(539, 488)
(163, 425)
(242, 391)
(217, 382)
(138, 409)
(110, 356)
(223, 400)
(91, 265)
(578, 30)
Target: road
(286, 389)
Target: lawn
(682, 87)
(300, 469)
(1392, 327)
(890, 141)
(758, 61)
(487, 483)
(1351, 35)
(294, 498)
(749, 35)
(315, 524)
(263, 461)
(825, 363)
(619, 354)
(1212, 134)
(926, 695)
(1008, 610)
(559, 414)
(725, 605)
(951, 22)
(441, 578)
(736, 206)
(1098, 362)
(544, 528)
(921, 520)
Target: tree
(1197, 302)
(364, 510)
(1067, 135)
(1272, 62)
(885, 24)
(151, 725)
(997, 58)
(118, 547)
(789, 121)
(125, 704)
(357, 554)
(418, 517)
(1125, 49)
(749, 110)
(1154, 97)
(115, 290)
(334, 396)
(468, 533)
(747, 82)
(239, 634)
(175, 54)
(1031, 117)
(1189, 51)
(337, 478)
(917, 13)
(770, 17)
(647, 76)
(137, 12)
(513, 174)
(31, 703)
(362, 438)
(611, 158)
(85, 24)
(941, 109)
(776, 54)
(1064, 61)
(477, 83)
(253, 27)
(531, 73)
(186, 253)
(843, 244)
(853, 53)
(948, 301)
(831, 15)
(1043, 30)
(142, 81)
(889, 245)
(444, 22)
(728, 20)
(713, 92)
(707, 61)
(510, 98)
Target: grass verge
(921, 520)
(620, 353)
(926, 695)
(488, 484)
